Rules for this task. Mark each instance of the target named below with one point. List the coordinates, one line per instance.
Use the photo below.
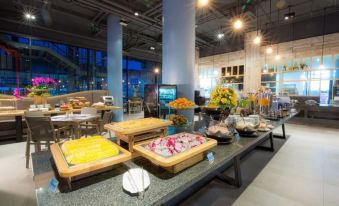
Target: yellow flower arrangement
(224, 97)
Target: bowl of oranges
(182, 104)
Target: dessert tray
(137, 125)
(82, 156)
(176, 152)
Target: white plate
(132, 180)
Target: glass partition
(74, 68)
(304, 76)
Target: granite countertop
(106, 188)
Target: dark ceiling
(83, 22)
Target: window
(80, 69)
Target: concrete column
(252, 78)
(114, 63)
(178, 55)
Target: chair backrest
(34, 114)
(89, 110)
(40, 128)
(107, 118)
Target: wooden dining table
(74, 120)
(18, 115)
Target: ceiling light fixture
(269, 50)
(136, 13)
(156, 70)
(203, 3)
(29, 16)
(277, 57)
(257, 40)
(152, 48)
(322, 66)
(289, 15)
(123, 23)
(221, 35)
(237, 24)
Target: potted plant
(222, 100)
(40, 89)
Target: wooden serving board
(67, 171)
(141, 125)
(179, 161)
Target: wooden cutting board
(137, 125)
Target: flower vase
(40, 96)
(224, 114)
(39, 100)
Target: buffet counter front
(165, 187)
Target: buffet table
(165, 188)
(18, 114)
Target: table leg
(283, 135)
(130, 145)
(77, 131)
(237, 180)
(18, 122)
(270, 148)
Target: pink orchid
(43, 81)
(16, 93)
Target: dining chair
(40, 132)
(106, 119)
(98, 128)
(89, 110)
(89, 127)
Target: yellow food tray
(97, 153)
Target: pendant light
(269, 49)
(322, 66)
(238, 23)
(277, 56)
(257, 39)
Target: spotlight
(28, 16)
(202, 3)
(257, 40)
(152, 48)
(289, 15)
(277, 57)
(136, 13)
(123, 23)
(156, 70)
(220, 35)
(237, 24)
(269, 50)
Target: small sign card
(53, 185)
(237, 137)
(210, 157)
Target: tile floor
(303, 172)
